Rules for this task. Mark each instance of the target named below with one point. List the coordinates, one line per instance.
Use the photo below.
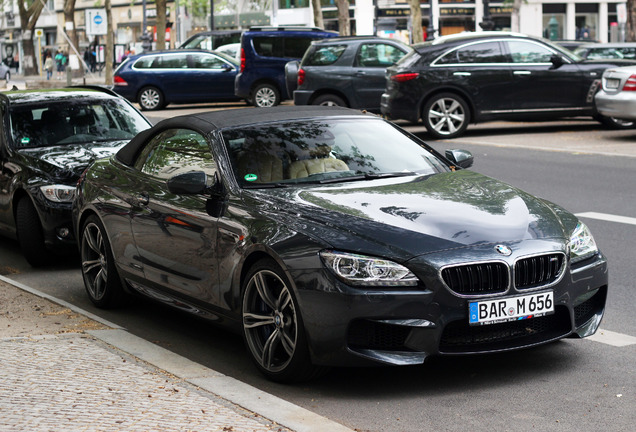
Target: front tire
(446, 115)
(151, 99)
(272, 325)
(329, 100)
(30, 233)
(265, 96)
(101, 279)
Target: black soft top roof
(213, 120)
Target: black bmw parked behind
(476, 77)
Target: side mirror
(190, 183)
(227, 67)
(461, 158)
(557, 61)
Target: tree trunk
(69, 16)
(630, 35)
(417, 34)
(109, 54)
(28, 20)
(161, 24)
(514, 17)
(317, 7)
(344, 26)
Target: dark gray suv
(347, 71)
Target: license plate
(511, 308)
(612, 83)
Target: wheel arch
(329, 91)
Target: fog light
(63, 232)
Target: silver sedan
(618, 96)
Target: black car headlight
(361, 270)
(582, 244)
(58, 193)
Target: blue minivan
(264, 53)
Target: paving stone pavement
(75, 382)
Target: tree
(344, 27)
(161, 24)
(110, 48)
(631, 22)
(69, 16)
(317, 7)
(417, 34)
(29, 14)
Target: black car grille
(482, 278)
(459, 337)
(538, 270)
(377, 336)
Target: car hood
(70, 160)
(421, 215)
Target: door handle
(461, 73)
(522, 73)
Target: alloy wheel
(265, 97)
(446, 116)
(149, 99)
(269, 320)
(94, 261)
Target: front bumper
(56, 222)
(621, 105)
(347, 326)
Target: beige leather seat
(306, 167)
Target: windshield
(325, 151)
(74, 122)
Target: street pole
(487, 23)
(430, 29)
(211, 14)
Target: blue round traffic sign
(97, 19)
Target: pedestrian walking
(60, 62)
(48, 66)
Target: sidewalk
(39, 81)
(64, 369)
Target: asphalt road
(572, 385)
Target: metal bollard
(69, 76)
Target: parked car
(5, 72)
(49, 138)
(264, 53)
(572, 44)
(232, 50)
(617, 98)
(211, 40)
(607, 50)
(348, 71)
(181, 76)
(297, 228)
(477, 77)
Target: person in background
(48, 66)
(59, 56)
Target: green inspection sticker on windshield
(25, 140)
(250, 177)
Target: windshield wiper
(367, 176)
(265, 186)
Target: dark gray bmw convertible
(331, 237)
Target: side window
(378, 55)
(325, 55)
(528, 52)
(175, 151)
(145, 62)
(485, 52)
(268, 46)
(295, 47)
(178, 61)
(206, 61)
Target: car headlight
(582, 244)
(363, 270)
(58, 193)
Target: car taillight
(119, 81)
(630, 84)
(404, 77)
(301, 77)
(242, 60)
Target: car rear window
(325, 55)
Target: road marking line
(613, 338)
(608, 217)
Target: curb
(237, 392)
